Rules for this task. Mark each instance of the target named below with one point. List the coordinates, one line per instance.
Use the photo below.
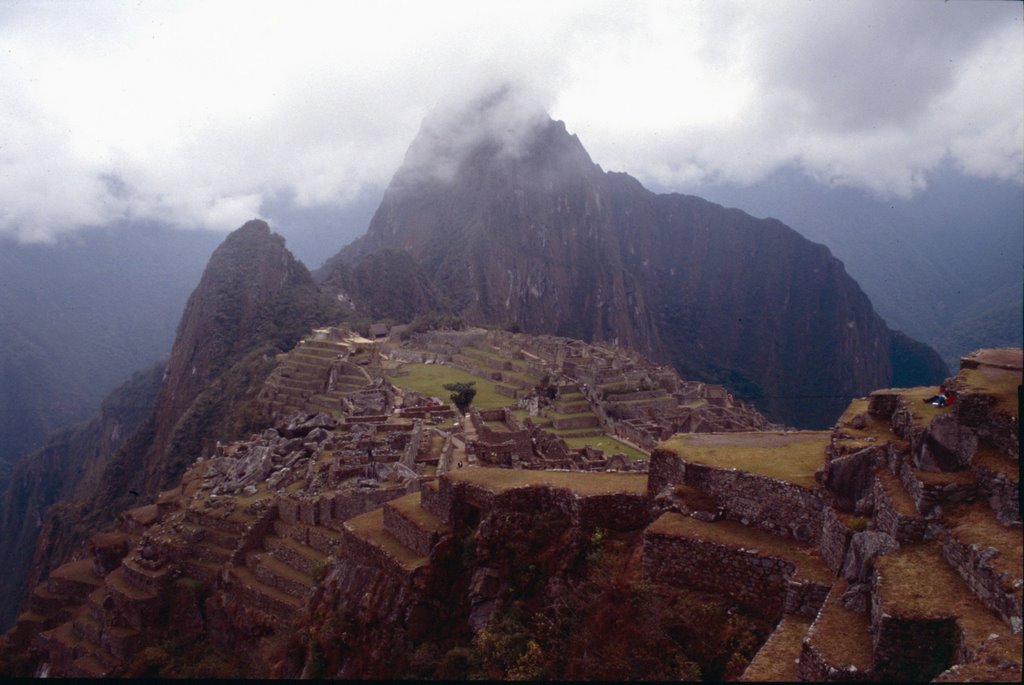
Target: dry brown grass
(923, 412)
(918, 583)
(946, 477)
(876, 428)
(1000, 383)
(809, 565)
(977, 524)
(903, 502)
(993, 459)
(777, 659)
(82, 570)
(841, 635)
(581, 482)
(792, 457)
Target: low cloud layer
(195, 113)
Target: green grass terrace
(792, 457)
(606, 444)
(430, 379)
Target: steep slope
(71, 461)
(943, 266)
(517, 225)
(253, 301)
(386, 285)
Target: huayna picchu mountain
(516, 225)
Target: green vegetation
(462, 394)
(430, 379)
(606, 444)
(792, 457)
(612, 626)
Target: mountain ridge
(538, 236)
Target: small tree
(462, 394)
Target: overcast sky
(193, 113)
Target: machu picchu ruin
(373, 530)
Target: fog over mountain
(199, 115)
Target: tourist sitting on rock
(945, 398)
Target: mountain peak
(507, 125)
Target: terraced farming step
(412, 525)
(75, 579)
(768, 574)
(777, 659)
(89, 667)
(838, 645)
(924, 617)
(367, 539)
(297, 555)
(988, 556)
(278, 574)
(43, 601)
(279, 606)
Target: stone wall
(849, 477)
(835, 538)
(665, 469)
(354, 547)
(932, 497)
(814, 665)
(888, 519)
(977, 411)
(779, 507)
(911, 649)
(352, 503)
(408, 533)
(1002, 493)
(763, 584)
(972, 563)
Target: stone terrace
(886, 548)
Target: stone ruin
(887, 548)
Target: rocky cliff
(70, 463)
(516, 225)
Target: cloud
(195, 113)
